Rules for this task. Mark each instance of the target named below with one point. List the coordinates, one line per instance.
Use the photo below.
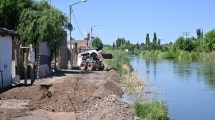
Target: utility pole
(91, 32)
(71, 27)
(70, 31)
(185, 34)
(202, 34)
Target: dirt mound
(26, 93)
(109, 108)
(113, 75)
(94, 96)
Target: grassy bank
(121, 62)
(146, 103)
(155, 110)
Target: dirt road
(68, 95)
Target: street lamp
(70, 24)
(91, 32)
(70, 17)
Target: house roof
(6, 32)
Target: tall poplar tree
(154, 41)
(147, 41)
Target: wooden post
(1, 78)
(32, 61)
(25, 64)
(32, 74)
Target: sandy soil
(68, 95)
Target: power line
(77, 24)
(186, 34)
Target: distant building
(78, 46)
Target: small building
(78, 46)
(6, 41)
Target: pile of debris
(95, 95)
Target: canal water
(187, 87)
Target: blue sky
(133, 19)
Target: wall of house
(44, 58)
(63, 55)
(78, 47)
(5, 61)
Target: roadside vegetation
(145, 99)
(121, 62)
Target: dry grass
(133, 84)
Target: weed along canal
(188, 88)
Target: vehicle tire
(102, 67)
(90, 66)
(83, 66)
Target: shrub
(155, 110)
(121, 62)
(194, 56)
(170, 55)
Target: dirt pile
(90, 95)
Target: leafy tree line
(35, 21)
(200, 43)
(123, 44)
(203, 43)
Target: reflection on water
(188, 87)
(186, 70)
(208, 72)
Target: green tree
(97, 43)
(180, 43)
(114, 45)
(147, 41)
(199, 33)
(137, 46)
(118, 43)
(10, 11)
(189, 45)
(210, 40)
(154, 45)
(43, 23)
(159, 41)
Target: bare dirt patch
(73, 95)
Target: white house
(6, 57)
